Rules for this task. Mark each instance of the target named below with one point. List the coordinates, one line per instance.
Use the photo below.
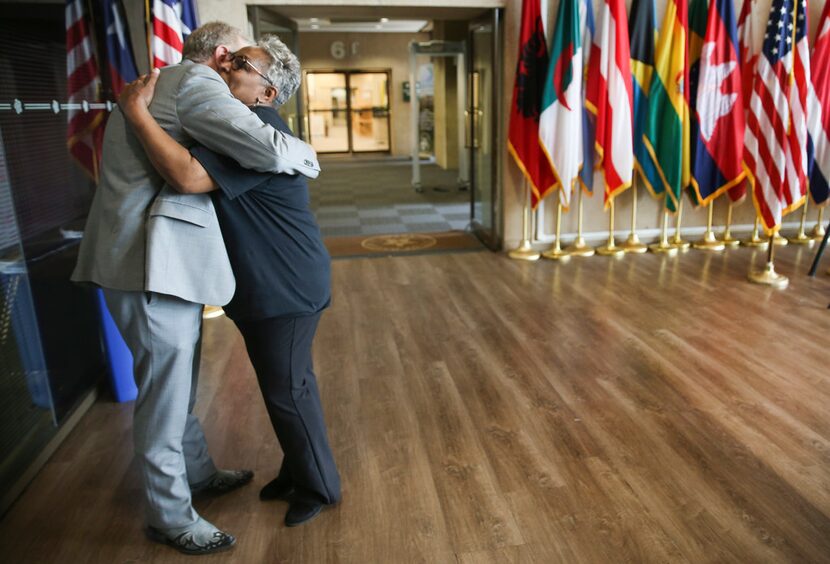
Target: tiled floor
(376, 197)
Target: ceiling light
(384, 20)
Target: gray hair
(200, 45)
(283, 70)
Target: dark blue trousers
(280, 351)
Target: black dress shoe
(277, 488)
(185, 543)
(300, 512)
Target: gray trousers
(164, 334)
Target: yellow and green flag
(668, 129)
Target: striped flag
(768, 119)
(173, 21)
(748, 57)
(642, 24)
(719, 140)
(799, 153)
(560, 123)
(819, 111)
(523, 135)
(609, 96)
(589, 126)
(667, 136)
(697, 31)
(122, 67)
(84, 135)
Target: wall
(375, 51)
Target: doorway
(348, 110)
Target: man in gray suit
(159, 256)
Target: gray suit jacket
(138, 238)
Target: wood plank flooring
(481, 410)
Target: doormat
(402, 244)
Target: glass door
(266, 22)
(348, 111)
(328, 111)
(484, 78)
(369, 111)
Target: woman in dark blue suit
(281, 267)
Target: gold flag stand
(556, 252)
(755, 240)
(818, 229)
(663, 247)
(677, 241)
(768, 276)
(633, 243)
(728, 239)
(709, 242)
(524, 251)
(801, 238)
(579, 248)
(610, 249)
(779, 240)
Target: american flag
(776, 159)
(173, 21)
(84, 135)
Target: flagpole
(677, 241)
(801, 238)
(755, 239)
(579, 248)
(525, 251)
(610, 249)
(633, 243)
(818, 229)
(727, 239)
(664, 247)
(556, 252)
(768, 276)
(709, 242)
(149, 27)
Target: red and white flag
(749, 60)
(798, 159)
(773, 154)
(609, 96)
(85, 131)
(819, 111)
(173, 21)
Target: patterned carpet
(376, 197)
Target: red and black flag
(531, 71)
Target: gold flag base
(680, 244)
(663, 247)
(580, 249)
(755, 241)
(780, 241)
(730, 241)
(817, 232)
(524, 252)
(633, 245)
(801, 239)
(556, 254)
(709, 243)
(211, 312)
(769, 277)
(610, 250)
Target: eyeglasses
(239, 61)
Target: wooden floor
(481, 410)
